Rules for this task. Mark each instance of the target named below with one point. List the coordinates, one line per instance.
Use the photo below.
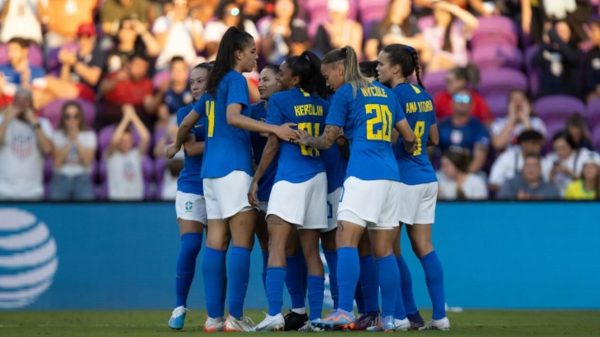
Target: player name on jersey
(420, 106)
(373, 91)
(308, 110)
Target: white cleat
(437, 324)
(177, 318)
(271, 323)
(310, 326)
(401, 324)
(244, 324)
(214, 324)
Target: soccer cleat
(386, 324)
(402, 324)
(437, 324)
(366, 320)
(271, 323)
(338, 318)
(416, 321)
(294, 321)
(244, 324)
(214, 324)
(177, 318)
(311, 326)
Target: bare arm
(408, 136)
(235, 118)
(479, 158)
(118, 134)
(269, 152)
(193, 148)
(184, 128)
(502, 139)
(43, 142)
(59, 155)
(85, 153)
(434, 135)
(470, 21)
(8, 116)
(526, 16)
(140, 128)
(90, 74)
(325, 141)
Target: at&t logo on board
(28, 258)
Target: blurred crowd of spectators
(89, 88)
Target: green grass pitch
(481, 323)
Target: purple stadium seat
(498, 104)
(496, 56)
(435, 82)
(501, 81)
(558, 107)
(495, 30)
(596, 137)
(370, 11)
(554, 126)
(593, 113)
(53, 109)
(36, 55)
(532, 72)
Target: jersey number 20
(383, 117)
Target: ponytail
(307, 66)
(233, 40)
(407, 58)
(352, 73)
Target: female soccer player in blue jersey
(367, 113)
(226, 176)
(299, 195)
(189, 202)
(268, 84)
(419, 183)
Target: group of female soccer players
(321, 168)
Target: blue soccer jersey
(368, 120)
(335, 166)
(462, 137)
(298, 163)
(259, 113)
(189, 180)
(415, 168)
(227, 148)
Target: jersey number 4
(382, 121)
(313, 129)
(210, 114)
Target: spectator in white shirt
(74, 151)
(520, 117)
(566, 162)
(455, 181)
(178, 34)
(24, 141)
(124, 158)
(510, 163)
